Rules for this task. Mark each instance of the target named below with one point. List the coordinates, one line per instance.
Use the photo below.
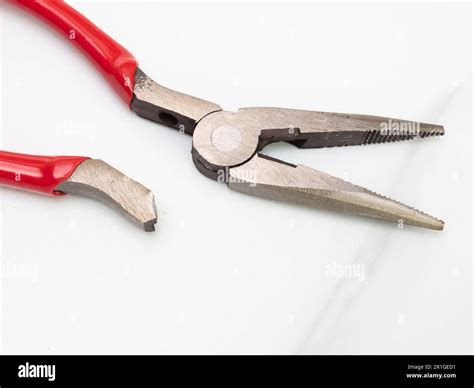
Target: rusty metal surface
(96, 179)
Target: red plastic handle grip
(36, 173)
(117, 63)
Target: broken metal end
(149, 226)
(96, 179)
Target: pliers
(227, 146)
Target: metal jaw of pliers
(227, 147)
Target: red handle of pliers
(36, 173)
(117, 63)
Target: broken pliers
(227, 145)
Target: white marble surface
(227, 273)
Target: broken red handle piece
(93, 178)
(41, 174)
(117, 64)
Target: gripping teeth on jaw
(433, 132)
(376, 136)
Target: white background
(224, 272)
